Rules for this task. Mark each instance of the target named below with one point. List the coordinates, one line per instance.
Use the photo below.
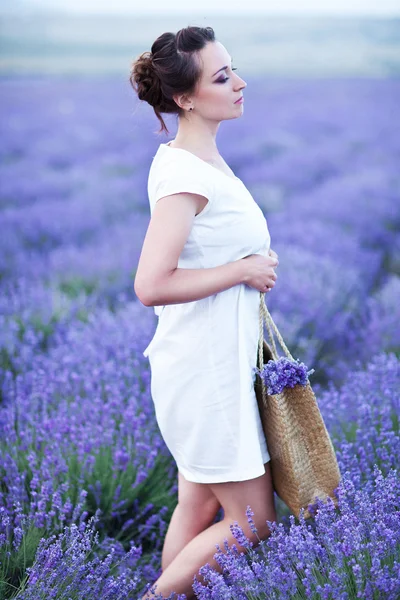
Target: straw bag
(303, 461)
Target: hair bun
(144, 79)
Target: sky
(342, 7)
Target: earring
(191, 108)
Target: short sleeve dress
(203, 352)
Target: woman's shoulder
(174, 164)
(174, 172)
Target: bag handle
(271, 327)
(265, 315)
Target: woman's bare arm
(186, 285)
(158, 280)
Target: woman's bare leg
(196, 510)
(234, 498)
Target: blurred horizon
(55, 43)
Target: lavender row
(339, 553)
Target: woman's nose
(242, 83)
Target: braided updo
(171, 67)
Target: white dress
(203, 352)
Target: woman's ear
(182, 101)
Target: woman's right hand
(259, 271)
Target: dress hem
(220, 478)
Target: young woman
(205, 259)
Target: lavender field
(87, 485)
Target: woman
(204, 260)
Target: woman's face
(219, 86)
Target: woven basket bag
(303, 461)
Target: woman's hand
(260, 271)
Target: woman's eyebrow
(222, 69)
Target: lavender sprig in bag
(281, 373)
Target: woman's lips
(239, 101)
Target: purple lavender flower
(281, 373)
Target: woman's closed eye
(226, 78)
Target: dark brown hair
(171, 67)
